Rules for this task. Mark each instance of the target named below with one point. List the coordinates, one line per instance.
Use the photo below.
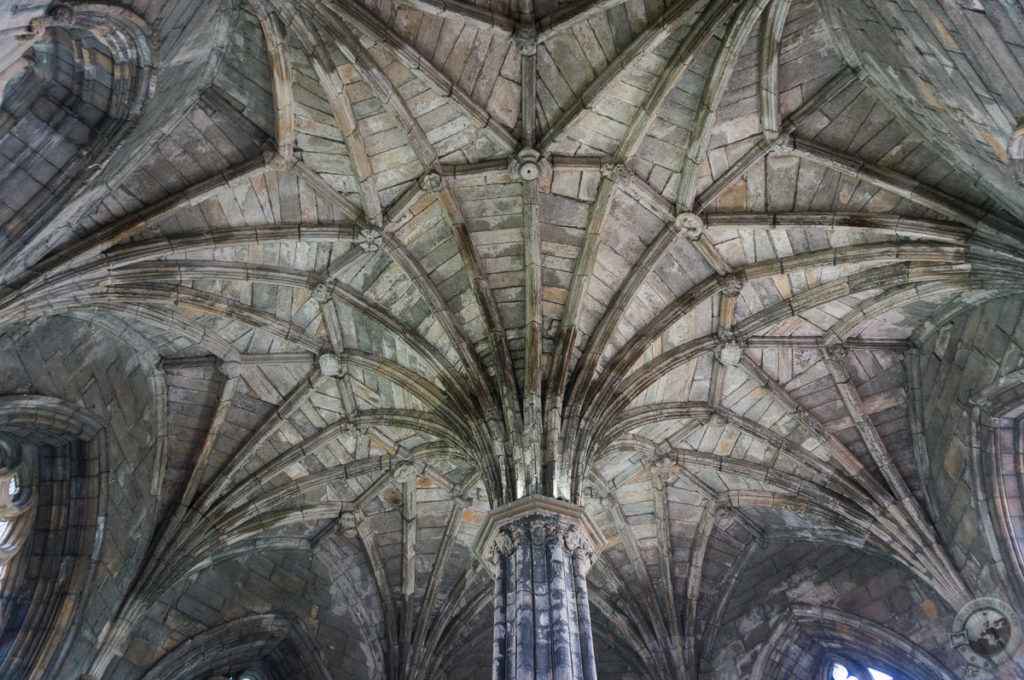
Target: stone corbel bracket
(541, 507)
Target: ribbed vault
(392, 264)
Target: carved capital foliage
(502, 545)
(541, 531)
(539, 522)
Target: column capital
(541, 519)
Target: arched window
(841, 672)
(246, 675)
(13, 507)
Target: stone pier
(539, 550)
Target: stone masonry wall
(964, 357)
(253, 584)
(832, 576)
(91, 367)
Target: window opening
(13, 523)
(840, 672)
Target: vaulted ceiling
(370, 268)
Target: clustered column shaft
(542, 624)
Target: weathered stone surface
(296, 298)
(540, 551)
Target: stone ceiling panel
(396, 263)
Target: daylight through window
(840, 672)
(12, 508)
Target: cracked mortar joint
(370, 240)
(691, 225)
(406, 473)
(330, 365)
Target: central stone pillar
(539, 550)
